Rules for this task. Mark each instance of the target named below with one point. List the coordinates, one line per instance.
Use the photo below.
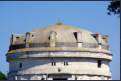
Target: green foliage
(114, 7)
(3, 76)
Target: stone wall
(44, 65)
(50, 77)
(36, 64)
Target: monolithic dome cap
(57, 36)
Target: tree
(3, 76)
(114, 7)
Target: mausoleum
(59, 52)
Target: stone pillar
(29, 36)
(45, 77)
(73, 77)
(27, 39)
(79, 39)
(52, 39)
(15, 77)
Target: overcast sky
(19, 17)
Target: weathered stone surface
(59, 52)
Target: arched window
(20, 65)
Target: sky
(19, 17)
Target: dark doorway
(59, 78)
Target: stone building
(59, 52)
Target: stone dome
(65, 36)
